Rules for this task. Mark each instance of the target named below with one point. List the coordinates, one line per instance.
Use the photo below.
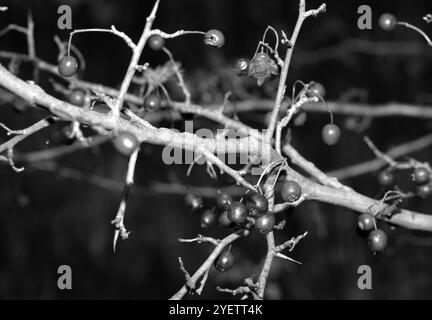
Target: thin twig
(119, 219)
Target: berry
(300, 118)
(77, 97)
(291, 191)
(223, 201)
(193, 201)
(224, 221)
(67, 136)
(316, 89)
(387, 22)
(265, 223)
(156, 42)
(330, 134)
(241, 67)
(385, 178)
(214, 38)
(224, 261)
(152, 102)
(424, 190)
(377, 240)
(421, 175)
(208, 218)
(257, 204)
(126, 143)
(67, 66)
(366, 222)
(237, 212)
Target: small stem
(418, 30)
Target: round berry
(67, 136)
(208, 218)
(152, 102)
(387, 22)
(224, 221)
(224, 261)
(223, 201)
(300, 118)
(241, 67)
(330, 134)
(424, 190)
(67, 66)
(193, 201)
(291, 191)
(77, 97)
(366, 222)
(214, 38)
(265, 223)
(316, 89)
(237, 212)
(126, 143)
(421, 175)
(385, 178)
(377, 240)
(156, 42)
(257, 204)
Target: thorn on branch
(282, 256)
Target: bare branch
(119, 219)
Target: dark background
(47, 220)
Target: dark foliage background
(46, 220)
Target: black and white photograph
(232, 151)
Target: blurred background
(55, 213)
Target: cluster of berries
(251, 212)
(421, 176)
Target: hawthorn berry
(265, 223)
(156, 42)
(366, 221)
(67, 66)
(241, 67)
(223, 201)
(77, 97)
(67, 136)
(424, 190)
(300, 118)
(316, 89)
(125, 143)
(387, 22)
(330, 134)
(224, 261)
(193, 201)
(257, 204)
(224, 221)
(291, 191)
(237, 212)
(152, 102)
(385, 178)
(214, 38)
(377, 240)
(421, 175)
(208, 218)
